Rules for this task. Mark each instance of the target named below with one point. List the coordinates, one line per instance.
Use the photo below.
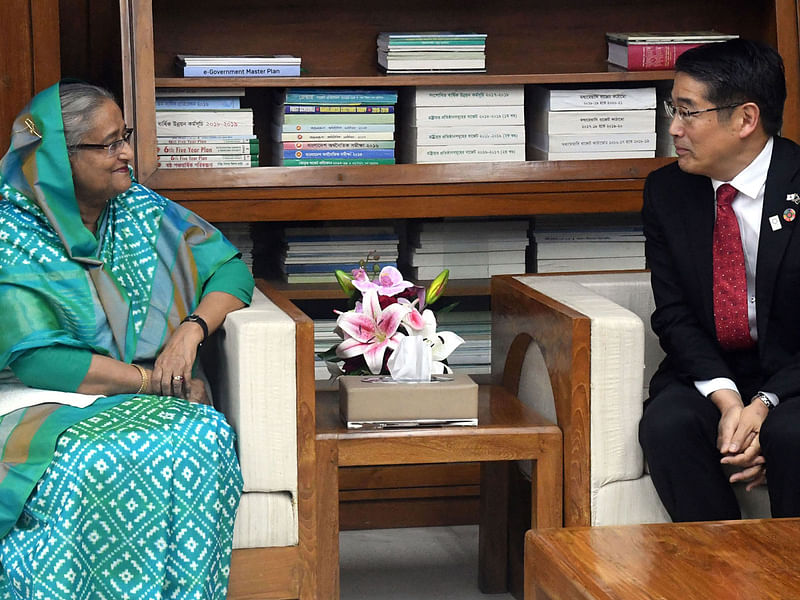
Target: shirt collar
(750, 180)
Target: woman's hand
(172, 372)
(197, 392)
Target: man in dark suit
(725, 262)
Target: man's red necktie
(730, 282)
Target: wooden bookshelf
(550, 42)
(556, 42)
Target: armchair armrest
(563, 336)
(605, 404)
(261, 369)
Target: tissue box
(377, 402)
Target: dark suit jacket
(678, 217)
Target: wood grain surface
(726, 560)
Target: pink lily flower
(372, 331)
(413, 321)
(390, 281)
(362, 282)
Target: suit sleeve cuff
(709, 386)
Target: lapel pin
(789, 214)
(793, 198)
(775, 223)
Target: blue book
(340, 96)
(243, 71)
(198, 103)
(328, 267)
(371, 153)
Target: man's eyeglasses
(684, 114)
(111, 149)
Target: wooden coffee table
(724, 560)
(506, 431)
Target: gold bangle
(145, 378)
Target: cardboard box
(377, 402)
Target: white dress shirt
(747, 206)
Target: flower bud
(437, 286)
(345, 282)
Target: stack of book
(204, 128)
(665, 145)
(239, 234)
(464, 124)
(469, 249)
(319, 127)
(595, 243)
(191, 65)
(656, 51)
(584, 124)
(432, 52)
(314, 253)
(324, 339)
(474, 356)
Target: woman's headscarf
(118, 293)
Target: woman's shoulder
(17, 211)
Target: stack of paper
(586, 124)
(593, 243)
(192, 65)
(204, 128)
(334, 127)
(468, 249)
(464, 124)
(432, 52)
(314, 253)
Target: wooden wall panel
(90, 42)
(29, 56)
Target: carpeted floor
(411, 564)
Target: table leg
(493, 528)
(327, 519)
(546, 487)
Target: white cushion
(258, 394)
(265, 520)
(627, 503)
(616, 375)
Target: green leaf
(329, 355)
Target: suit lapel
(699, 197)
(781, 183)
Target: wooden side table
(671, 561)
(506, 431)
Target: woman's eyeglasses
(111, 149)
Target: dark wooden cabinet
(29, 56)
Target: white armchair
(260, 366)
(588, 364)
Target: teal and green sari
(135, 495)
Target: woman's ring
(177, 378)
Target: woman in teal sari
(108, 289)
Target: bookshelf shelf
(596, 75)
(305, 291)
(548, 42)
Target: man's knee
(780, 432)
(676, 414)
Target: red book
(646, 57)
(651, 51)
